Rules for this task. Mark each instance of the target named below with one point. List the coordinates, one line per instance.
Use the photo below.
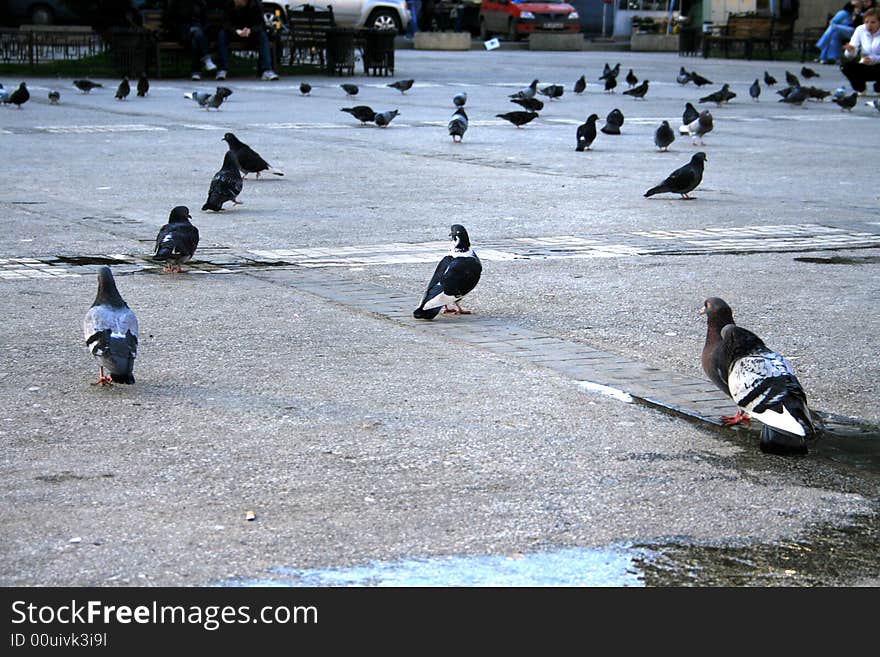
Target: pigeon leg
(102, 379)
(258, 175)
(234, 202)
(739, 418)
(462, 311)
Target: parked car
(516, 18)
(369, 14)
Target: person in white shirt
(863, 53)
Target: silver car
(369, 14)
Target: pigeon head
(592, 118)
(702, 159)
(179, 215)
(717, 312)
(459, 235)
(107, 292)
(232, 140)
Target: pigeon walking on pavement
(177, 240)
(769, 80)
(54, 96)
(456, 275)
(362, 113)
(249, 161)
(809, 73)
(631, 79)
(123, 89)
(552, 91)
(723, 95)
(791, 79)
(527, 92)
(699, 80)
(351, 90)
(683, 76)
(110, 329)
(580, 85)
(613, 122)
(458, 125)
(638, 91)
(848, 102)
(382, 119)
(402, 85)
(701, 126)
(226, 185)
(664, 136)
(305, 88)
(530, 104)
(86, 86)
(586, 133)
(143, 85)
(683, 180)
(20, 96)
(518, 118)
(755, 90)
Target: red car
(515, 18)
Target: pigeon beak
(702, 310)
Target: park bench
(747, 31)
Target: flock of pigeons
(760, 381)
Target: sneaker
(221, 74)
(270, 75)
(209, 64)
(877, 87)
(195, 76)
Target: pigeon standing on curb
(760, 382)
(110, 329)
(226, 184)
(683, 180)
(586, 133)
(177, 240)
(456, 275)
(249, 161)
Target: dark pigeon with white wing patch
(177, 240)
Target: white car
(369, 14)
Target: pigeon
(249, 161)
(586, 133)
(684, 179)
(755, 90)
(225, 91)
(518, 118)
(553, 91)
(769, 80)
(689, 115)
(874, 103)
(382, 119)
(528, 92)
(605, 71)
(456, 275)
(458, 125)
(809, 73)
(123, 89)
(699, 80)
(20, 96)
(86, 86)
(631, 78)
(402, 85)
(143, 85)
(530, 104)
(362, 113)
(796, 96)
(216, 99)
(610, 83)
(639, 91)
(683, 76)
(613, 122)
(4, 94)
(110, 329)
(791, 79)
(609, 72)
(226, 184)
(664, 136)
(819, 94)
(848, 102)
(351, 90)
(580, 85)
(460, 99)
(305, 88)
(700, 127)
(177, 240)
(723, 95)
(54, 96)
(200, 97)
(760, 381)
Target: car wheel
(383, 19)
(484, 30)
(41, 15)
(512, 34)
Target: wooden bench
(748, 31)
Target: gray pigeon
(684, 179)
(458, 125)
(86, 86)
(683, 76)
(701, 127)
(796, 96)
(215, 100)
(664, 136)
(54, 96)
(200, 97)
(402, 85)
(123, 89)
(755, 90)
(848, 102)
(177, 240)
(723, 95)
(552, 91)
(110, 329)
(528, 92)
(586, 133)
(4, 94)
(362, 113)
(382, 119)
(226, 184)
(460, 99)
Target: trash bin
(129, 48)
(379, 52)
(340, 51)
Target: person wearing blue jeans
(839, 31)
(244, 18)
(415, 8)
(185, 20)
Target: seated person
(185, 21)
(863, 53)
(244, 19)
(839, 30)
